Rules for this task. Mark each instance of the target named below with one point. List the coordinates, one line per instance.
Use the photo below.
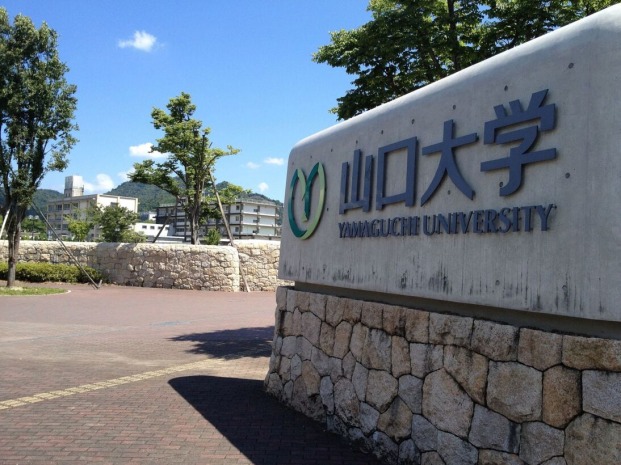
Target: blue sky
(246, 63)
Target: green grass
(30, 291)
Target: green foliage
(212, 238)
(79, 228)
(409, 44)
(149, 197)
(37, 107)
(133, 237)
(40, 200)
(116, 223)
(81, 223)
(228, 193)
(34, 228)
(191, 158)
(35, 272)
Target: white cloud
(144, 150)
(142, 41)
(252, 166)
(274, 161)
(104, 184)
(263, 187)
(124, 175)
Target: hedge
(50, 272)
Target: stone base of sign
(418, 387)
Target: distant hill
(41, 198)
(149, 197)
(251, 195)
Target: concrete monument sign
(439, 242)
(498, 186)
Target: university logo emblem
(305, 186)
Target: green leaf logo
(306, 186)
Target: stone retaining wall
(259, 263)
(418, 387)
(203, 267)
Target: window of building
(67, 206)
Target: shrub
(35, 272)
(212, 238)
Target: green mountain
(251, 195)
(149, 197)
(41, 197)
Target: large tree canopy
(187, 172)
(409, 44)
(37, 107)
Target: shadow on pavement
(231, 344)
(261, 428)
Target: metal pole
(228, 229)
(6, 217)
(66, 249)
(162, 228)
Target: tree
(81, 222)
(34, 228)
(79, 227)
(212, 237)
(116, 224)
(188, 170)
(228, 193)
(411, 43)
(37, 108)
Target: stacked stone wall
(259, 263)
(201, 267)
(417, 387)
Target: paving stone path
(148, 376)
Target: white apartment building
(75, 204)
(150, 230)
(248, 219)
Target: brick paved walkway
(148, 376)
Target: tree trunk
(453, 36)
(13, 235)
(195, 214)
(193, 217)
(194, 231)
